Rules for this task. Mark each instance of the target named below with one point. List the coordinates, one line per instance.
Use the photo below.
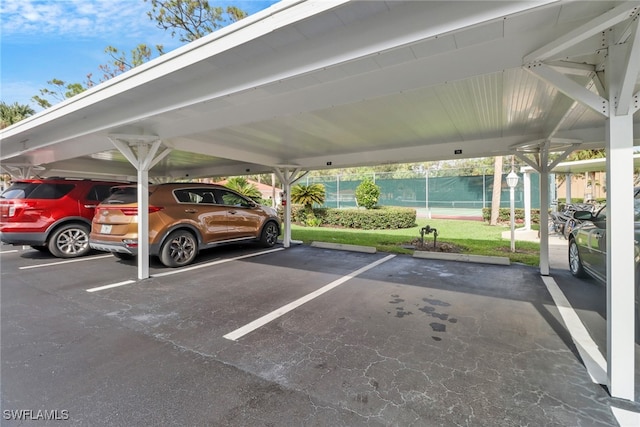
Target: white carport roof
(332, 83)
(305, 83)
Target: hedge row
(504, 215)
(364, 219)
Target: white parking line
(626, 418)
(27, 267)
(182, 270)
(113, 285)
(8, 252)
(240, 332)
(593, 360)
(209, 264)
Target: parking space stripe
(593, 360)
(8, 252)
(113, 285)
(209, 264)
(626, 418)
(240, 332)
(27, 267)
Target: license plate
(105, 229)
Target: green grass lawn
(472, 237)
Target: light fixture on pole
(512, 182)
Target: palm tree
(241, 185)
(307, 195)
(10, 114)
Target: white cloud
(74, 18)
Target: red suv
(52, 214)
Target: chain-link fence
(425, 192)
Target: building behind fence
(425, 192)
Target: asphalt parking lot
(302, 336)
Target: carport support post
(620, 259)
(621, 73)
(287, 178)
(526, 179)
(544, 212)
(143, 160)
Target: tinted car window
(122, 195)
(19, 190)
(99, 192)
(232, 199)
(50, 191)
(194, 195)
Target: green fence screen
(451, 192)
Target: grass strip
(472, 237)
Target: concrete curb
(344, 247)
(481, 259)
(293, 242)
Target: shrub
(383, 218)
(504, 215)
(308, 195)
(367, 194)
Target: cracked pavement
(409, 343)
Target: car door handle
(232, 212)
(191, 210)
(90, 206)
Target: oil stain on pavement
(432, 308)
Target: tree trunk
(497, 189)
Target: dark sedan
(588, 244)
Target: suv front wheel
(69, 241)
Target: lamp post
(512, 181)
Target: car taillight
(134, 211)
(9, 210)
(130, 243)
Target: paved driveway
(386, 341)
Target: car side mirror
(583, 215)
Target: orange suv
(184, 218)
(52, 214)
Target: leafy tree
(244, 187)
(59, 91)
(191, 19)
(121, 62)
(308, 195)
(10, 114)
(367, 194)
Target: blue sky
(65, 39)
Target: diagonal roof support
(630, 70)
(570, 88)
(583, 32)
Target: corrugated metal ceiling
(308, 82)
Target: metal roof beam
(583, 32)
(570, 88)
(630, 70)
